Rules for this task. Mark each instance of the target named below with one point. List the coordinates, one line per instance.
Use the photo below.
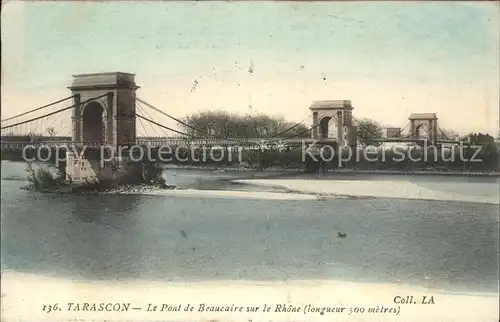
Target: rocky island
(48, 180)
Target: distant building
(391, 132)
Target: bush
(45, 179)
(42, 178)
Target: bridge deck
(161, 143)
(174, 142)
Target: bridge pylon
(424, 126)
(104, 119)
(332, 121)
(110, 119)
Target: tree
(487, 157)
(447, 134)
(486, 141)
(35, 137)
(300, 131)
(368, 129)
(220, 124)
(51, 131)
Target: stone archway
(328, 128)
(422, 131)
(92, 123)
(332, 120)
(424, 125)
(324, 127)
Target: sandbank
(366, 188)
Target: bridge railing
(171, 142)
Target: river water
(438, 244)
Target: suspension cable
(183, 123)
(165, 127)
(142, 124)
(444, 135)
(143, 111)
(289, 129)
(401, 131)
(170, 116)
(144, 128)
(39, 108)
(52, 113)
(303, 132)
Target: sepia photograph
(250, 161)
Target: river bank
(286, 184)
(293, 189)
(325, 189)
(419, 172)
(297, 170)
(93, 189)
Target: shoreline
(299, 189)
(299, 170)
(423, 172)
(338, 189)
(341, 171)
(282, 187)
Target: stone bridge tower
(104, 115)
(333, 121)
(424, 126)
(110, 119)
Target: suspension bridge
(104, 110)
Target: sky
(390, 59)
